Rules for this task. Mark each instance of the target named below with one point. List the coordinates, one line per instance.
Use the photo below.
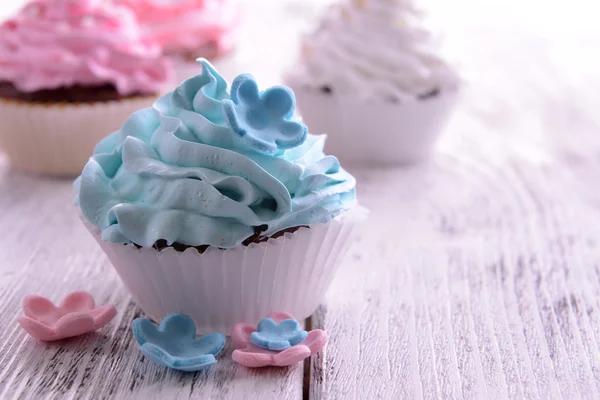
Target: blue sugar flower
(174, 343)
(273, 336)
(263, 120)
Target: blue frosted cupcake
(217, 203)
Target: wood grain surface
(477, 275)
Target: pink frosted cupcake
(189, 29)
(71, 71)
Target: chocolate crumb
(326, 89)
(430, 94)
(256, 238)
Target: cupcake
(71, 72)
(372, 69)
(218, 204)
(188, 29)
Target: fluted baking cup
(58, 139)
(221, 287)
(376, 134)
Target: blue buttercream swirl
(179, 172)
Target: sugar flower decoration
(253, 356)
(174, 344)
(278, 336)
(263, 120)
(77, 314)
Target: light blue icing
(202, 167)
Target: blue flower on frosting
(174, 344)
(263, 120)
(278, 336)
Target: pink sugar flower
(250, 355)
(77, 314)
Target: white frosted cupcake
(219, 204)
(70, 73)
(373, 70)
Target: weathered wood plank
(498, 235)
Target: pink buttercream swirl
(184, 25)
(51, 44)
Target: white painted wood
(497, 235)
(477, 275)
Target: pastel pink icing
(61, 43)
(187, 25)
(77, 314)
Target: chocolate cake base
(256, 238)
(328, 90)
(72, 94)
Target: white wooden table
(478, 275)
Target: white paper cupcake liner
(220, 288)
(58, 139)
(376, 134)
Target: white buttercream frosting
(372, 50)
